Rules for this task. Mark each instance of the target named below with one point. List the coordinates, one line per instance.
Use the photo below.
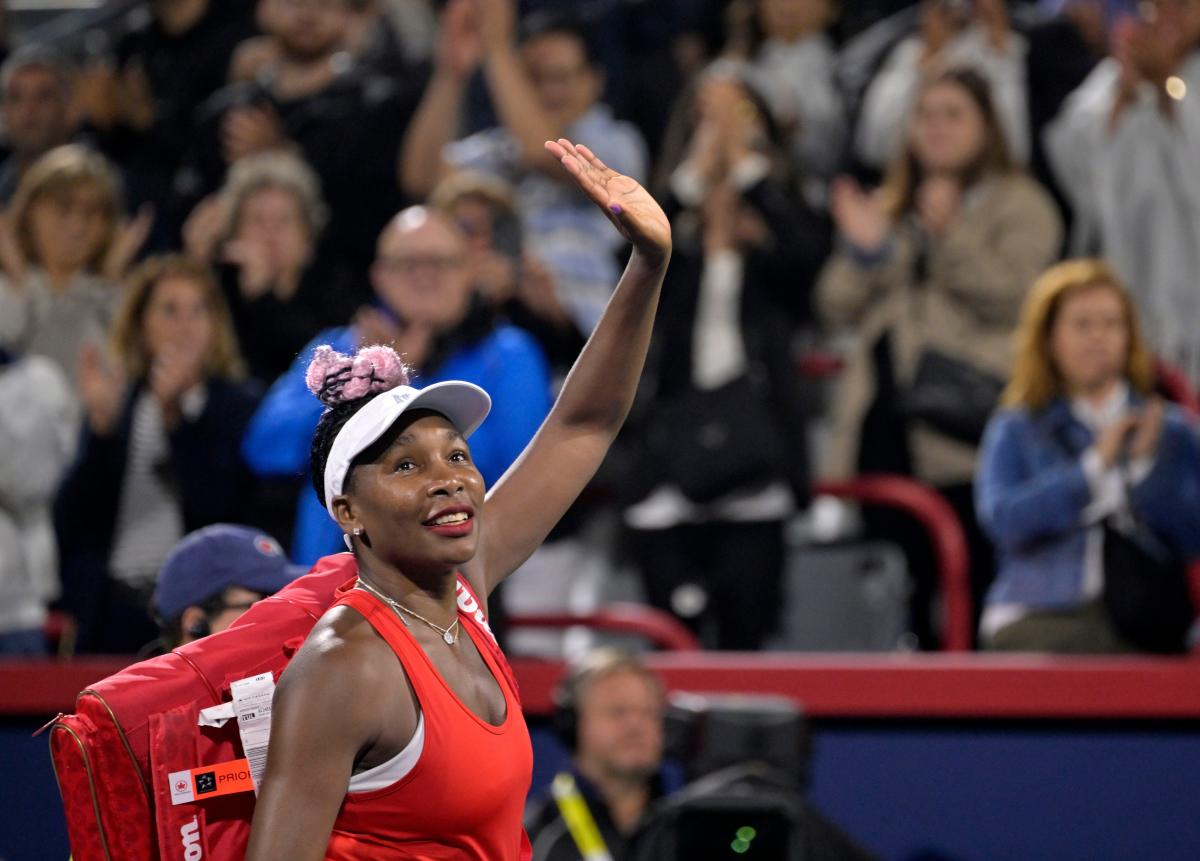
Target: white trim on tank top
(386, 773)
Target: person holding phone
(1082, 447)
(425, 307)
(517, 284)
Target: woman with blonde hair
(1082, 462)
(63, 249)
(159, 455)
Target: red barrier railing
(935, 515)
(1176, 387)
(978, 685)
(819, 364)
(661, 629)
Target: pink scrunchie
(336, 378)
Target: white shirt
(1135, 189)
(718, 357)
(149, 511)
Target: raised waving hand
(636, 215)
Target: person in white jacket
(1126, 150)
(38, 441)
(952, 34)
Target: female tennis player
(397, 733)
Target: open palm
(636, 215)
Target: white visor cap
(465, 405)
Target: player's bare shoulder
(341, 647)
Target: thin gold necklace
(449, 634)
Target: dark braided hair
(331, 423)
(346, 384)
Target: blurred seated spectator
(64, 249)
(1125, 150)
(953, 33)
(37, 91)
(38, 433)
(516, 285)
(548, 88)
(609, 713)
(159, 455)
(927, 285)
(345, 120)
(141, 98)
(792, 61)
(212, 577)
(719, 443)
(262, 230)
(1083, 448)
(426, 310)
(616, 801)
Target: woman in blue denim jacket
(1082, 441)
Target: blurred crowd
(197, 193)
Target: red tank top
(465, 797)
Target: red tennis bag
(130, 731)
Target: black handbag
(1146, 593)
(953, 397)
(1146, 590)
(710, 442)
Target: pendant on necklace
(448, 637)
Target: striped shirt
(150, 512)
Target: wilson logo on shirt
(468, 604)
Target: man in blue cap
(213, 576)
